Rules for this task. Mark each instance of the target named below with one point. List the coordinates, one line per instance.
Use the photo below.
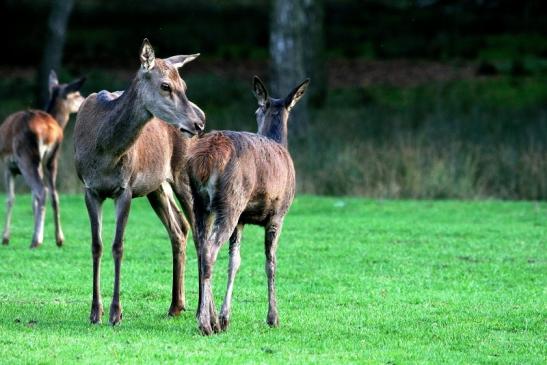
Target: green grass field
(359, 281)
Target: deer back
(242, 164)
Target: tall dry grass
(456, 140)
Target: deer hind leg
(94, 210)
(272, 232)
(29, 164)
(235, 261)
(201, 218)
(203, 226)
(207, 318)
(221, 229)
(10, 199)
(123, 205)
(50, 172)
(177, 227)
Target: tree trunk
(288, 25)
(314, 51)
(53, 50)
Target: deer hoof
(5, 241)
(215, 326)
(204, 324)
(115, 315)
(273, 320)
(224, 322)
(35, 245)
(96, 314)
(60, 240)
(205, 329)
(176, 310)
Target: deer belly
(258, 211)
(105, 182)
(145, 182)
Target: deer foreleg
(123, 205)
(94, 210)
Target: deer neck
(124, 122)
(276, 128)
(58, 110)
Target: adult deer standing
(124, 149)
(30, 142)
(240, 178)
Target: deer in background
(30, 142)
(240, 178)
(131, 144)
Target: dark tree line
(296, 50)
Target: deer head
(163, 91)
(65, 96)
(272, 114)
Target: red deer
(240, 178)
(30, 142)
(129, 144)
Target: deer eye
(165, 87)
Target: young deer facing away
(240, 178)
(123, 151)
(30, 142)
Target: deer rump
(30, 124)
(241, 171)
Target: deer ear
(75, 85)
(147, 56)
(295, 95)
(53, 80)
(260, 91)
(181, 60)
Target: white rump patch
(43, 148)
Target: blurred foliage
(501, 92)
(462, 139)
(476, 138)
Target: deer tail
(208, 156)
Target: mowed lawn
(359, 281)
